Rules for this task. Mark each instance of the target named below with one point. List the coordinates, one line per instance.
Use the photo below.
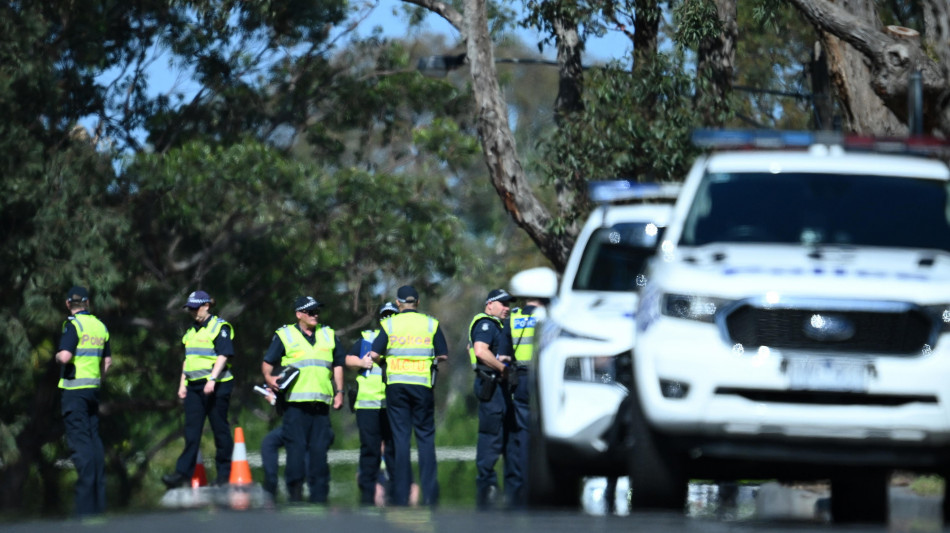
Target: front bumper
(745, 396)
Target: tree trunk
(850, 29)
(715, 64)
(498, 143)
(851, 77)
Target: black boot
(174, 480)
(295, 492)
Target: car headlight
(691, 307)
(596, 369)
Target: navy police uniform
(410, 341)
(204, 342)
(522, 326)
(372, 417)
(497, 425)
(496, 417)
(306, 424)
(87, 340)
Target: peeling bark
(889, 60)
(498, 143)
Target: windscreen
(615, 255)
(816, 209)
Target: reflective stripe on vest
(371, 393)
(522, 334)
(314, 384)
(410, 350)
(92, 335)
(199, 350)
(471, 327)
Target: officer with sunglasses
(320, 357)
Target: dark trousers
(80, 408)
(374, 430)
(497, 435)
(521, 400)
(214, 407)
(412, 409)
(270, 450)
(307, 439)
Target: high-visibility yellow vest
(199, 350)
(410, 350)
(471, 327)
(92, 334)
(372, 391)
(315, 362)
(522, 334)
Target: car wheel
(658, 478)
(860, 497)
(547, 487)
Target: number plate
(827, 374)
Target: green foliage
(631, 127)
(696, 20)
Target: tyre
(658, 478)
(547, 487)
(860, 497)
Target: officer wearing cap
(316, 352)
(84, 356)
(371, 415)
(412, 344)
(491, 356)
(206, 385)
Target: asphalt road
(765, 508)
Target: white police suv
(794, 322)
(582, 367)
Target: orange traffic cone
(200, 477)
(240, 469)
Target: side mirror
(539, 282)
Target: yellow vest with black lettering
(92, 335)
(410, 352)
(471, 342)
(522, 334)
(199, 350)
(315, 362)
(371, 393)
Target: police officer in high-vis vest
(316, 352)
(522, 325)
(206, 385)
(372, 418)
(85, 356)
(491, 356)
(412, 344)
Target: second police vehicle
(582, 370)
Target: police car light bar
(708, 138)
(605, 192)
(776, 139)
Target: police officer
(491, 356)
(372, 418)
(318, 355)
(412, 344)
(523, 323)
(206, 384)
(85, 356)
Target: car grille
(903, 332)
